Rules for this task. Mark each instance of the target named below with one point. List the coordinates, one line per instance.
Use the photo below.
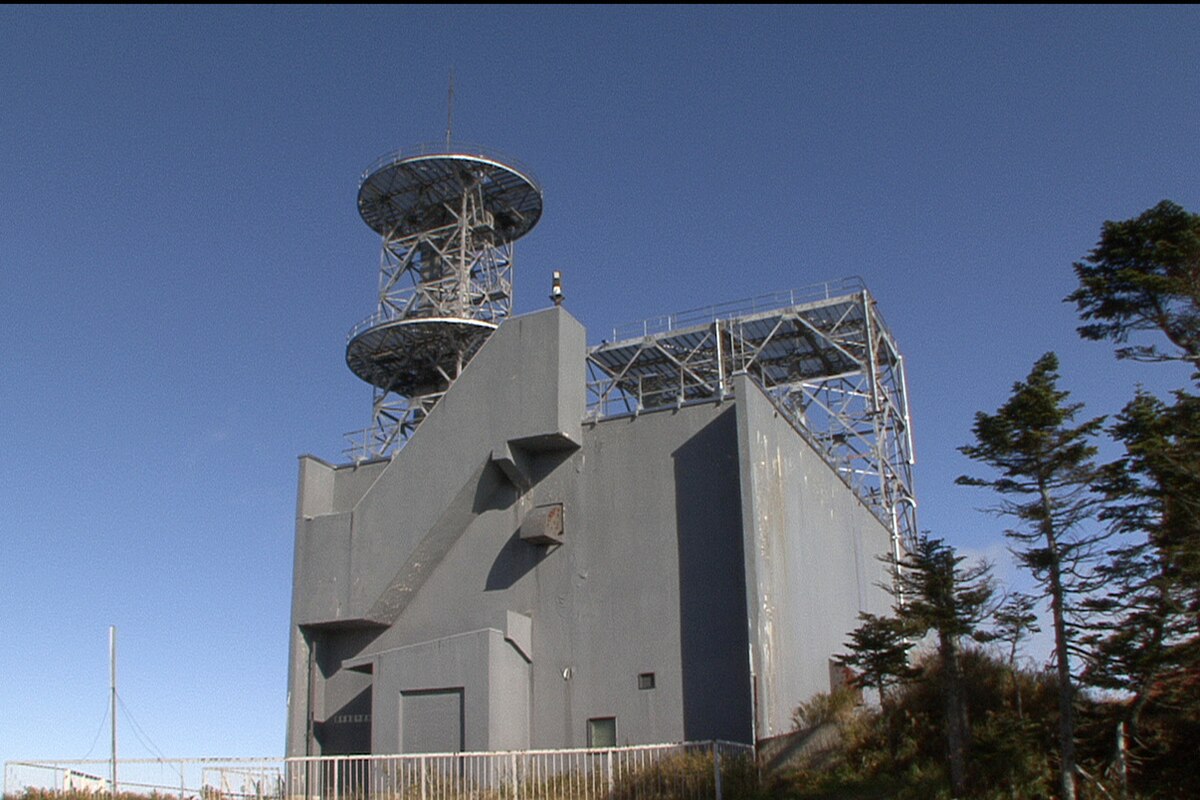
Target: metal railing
(737, 308)
(388, 315)
(454, 149)
(688, 771)
(183, 778)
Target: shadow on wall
(516, 558)
(514, 561)
(348, 730)
(714, 639)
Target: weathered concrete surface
(811, 552)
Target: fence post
(611, 787)
(422, 776)
(515, 783)
(717, 770)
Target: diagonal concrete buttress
(372, 545)
(429, 551)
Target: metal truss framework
(448, 222)
(823, 355)
(395, 417)
(455, 272)
(458, 271)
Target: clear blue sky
(181, 257)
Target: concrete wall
(811, 560)
(651, 504)
(488, 675)
(659, 579)
(369, 536)
(415, 590)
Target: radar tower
(448, 219)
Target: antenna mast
(112, 674)
(450, 109)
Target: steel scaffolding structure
(823, 355)
(448, 221)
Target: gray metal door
(431, 721)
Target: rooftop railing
(737, 308)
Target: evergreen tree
(878, 653)
(1144, 274)
(940, 596)
(1045, 471)
(1014, 622)
(1145, 642)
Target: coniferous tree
(1144, 274)
(1145, 641)
(878, 653)
(1045, 473)
(1149, 610)
(1014, 622)
(940, 596)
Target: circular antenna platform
(402, 195)
(414, 356)
(448, 216)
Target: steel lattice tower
(448, 221)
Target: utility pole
(112, 673)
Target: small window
(646, 680)
(602, 732)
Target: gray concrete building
(517, 577)
(665, 537)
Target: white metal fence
(183, 778)
(690, 771)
